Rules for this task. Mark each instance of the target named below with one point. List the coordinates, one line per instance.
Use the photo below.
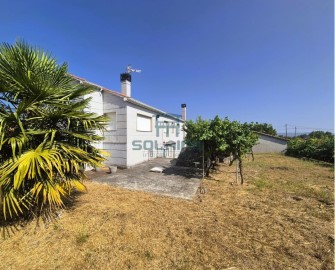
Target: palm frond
(46, 134)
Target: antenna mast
(129, 70)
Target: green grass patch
(324, 196)
(261, 184)
(82, 238)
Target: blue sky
(251, 60)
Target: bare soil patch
(260, 225)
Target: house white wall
(144, 145)
(115, 141)
(96, 102)
(268, 144)
(96, 106)
(127, 145)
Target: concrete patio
(174, 181)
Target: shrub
(319, 149)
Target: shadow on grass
(11, 225)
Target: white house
(136, 131)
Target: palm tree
(46, 136)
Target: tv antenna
(130, 70)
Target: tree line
(317, 145)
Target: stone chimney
(125, 84)
(183, 112)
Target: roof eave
(143, 105)
(276, 137)
(126, 98)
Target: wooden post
(236, 171)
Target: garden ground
(281, 218)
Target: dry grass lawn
(282, 218)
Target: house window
(173, 127)
(111, 121)
(144, 123)
(167, 132)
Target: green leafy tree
(264, 128)
(318, 134)
(303, 136)
(45, 134)
(221, 138)
(240, 139)
(207, 135)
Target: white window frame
(109, 126)
(173, 127)
(142, 129)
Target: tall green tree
(46, 136)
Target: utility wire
(293, 127)
(304, 127)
